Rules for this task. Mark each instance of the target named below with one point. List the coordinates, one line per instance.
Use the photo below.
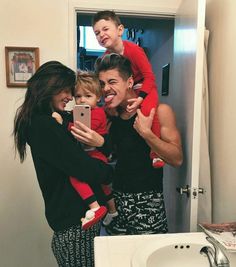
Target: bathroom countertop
(117, 251)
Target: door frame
(74, 7)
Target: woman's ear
(120, 30)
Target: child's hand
(134, 104)
(57, 117)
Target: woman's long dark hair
(50, 79)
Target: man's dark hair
(114, 61)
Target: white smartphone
(82, 113)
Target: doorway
(156, 37)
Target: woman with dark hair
(57, 156)
(138, 187)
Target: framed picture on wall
(21, 64)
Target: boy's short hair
(114, 61)
(88, 80)
(106, 15)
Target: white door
(187, 101)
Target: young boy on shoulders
(108, 30)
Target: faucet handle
(221, 259)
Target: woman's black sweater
(57, 156)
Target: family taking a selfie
(101, 163)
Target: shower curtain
(205, 199)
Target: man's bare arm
(168, 147)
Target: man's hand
(168, 147)
(143, 124)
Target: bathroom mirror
(166, 41)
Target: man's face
(114, 88)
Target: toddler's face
(85, 97)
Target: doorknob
(186, 190)
(197, 191)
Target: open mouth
(103, 42)
(109, 97)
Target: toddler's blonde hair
(87, 80)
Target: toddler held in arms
(88, 92)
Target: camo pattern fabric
(139, 213)
(74, 247)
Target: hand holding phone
(82, 113)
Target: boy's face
(85, 97)
(108, 33)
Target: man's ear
(130, 82)
(120, 30)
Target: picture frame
(21, 64)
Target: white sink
(172, 251)
(163, 250)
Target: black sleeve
(67, 117)
(106, 149)
(53, 144)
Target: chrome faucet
(216, 256)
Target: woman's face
(60, 100)
(114, 87)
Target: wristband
(142, 94)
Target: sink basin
(160, 250)
(171, 252)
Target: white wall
(220, 19)
(24, 233)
